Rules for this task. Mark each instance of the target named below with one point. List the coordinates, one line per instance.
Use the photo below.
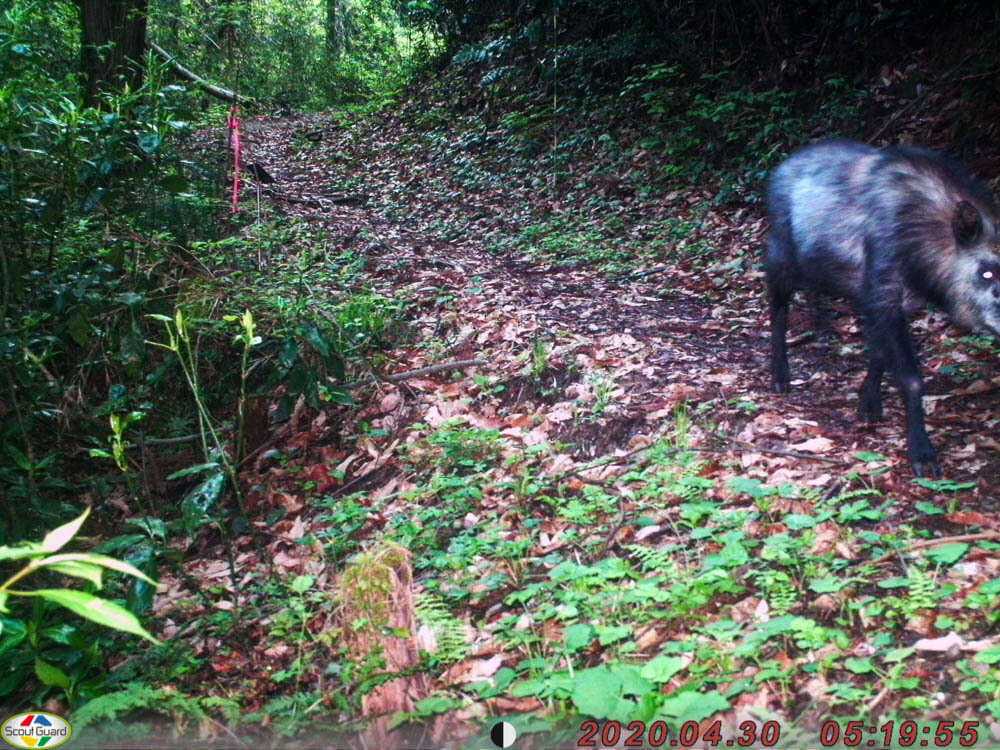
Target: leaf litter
(589, 369)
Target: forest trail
(629, 347)
(613, 412)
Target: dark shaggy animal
(889, 230)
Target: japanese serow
(889, 230)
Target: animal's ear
(966, 223)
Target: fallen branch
(429, 370)
(340, 199)
(209, 88)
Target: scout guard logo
(38, 729)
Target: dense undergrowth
(175, 367)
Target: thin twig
(166, 441)
(641, 274)
(741, 446)
(929, 543)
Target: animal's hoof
(924, 462)
(927, 469)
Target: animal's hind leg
(781, 297)
(782, 276)
(870, 393)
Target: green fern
(137, 697)
(654, 560)
(287, 714)
(448, 629)
(779, 590)
(850, 495)
(922, 591)
(680, 482)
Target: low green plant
(540, 355)
(604, 388)
(37, 645)
(459, 450)
(449, 632)
(108, 712)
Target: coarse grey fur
(888, 230)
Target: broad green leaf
(829, 585)
(694, 706)
(56, 538)
(752, 487)
(77, 569)
(149, 142)
(943, 485)
(898, 654)
(132, 299)
(301, 584)
(19, 458)
(437, 704)
(868, 457)
(860, 666)
(27, 549)
(312, 333)
(14, 680)
(199, 503)
(12, 634)
(663, 668)
(989, 656)
(151, 526)
(79, 327)
(211, 466)
(96, 609)
(51, 675)
(899, 582)
(613, 634)
(948, 554)
(578, 636)
(633, 683)
(340, 396)
(595, 691)
(799, 521)
(504, 677)
(114, 564)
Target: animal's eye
(988, 275)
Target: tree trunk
(236, 23)
(114, 45)
(332, 32)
